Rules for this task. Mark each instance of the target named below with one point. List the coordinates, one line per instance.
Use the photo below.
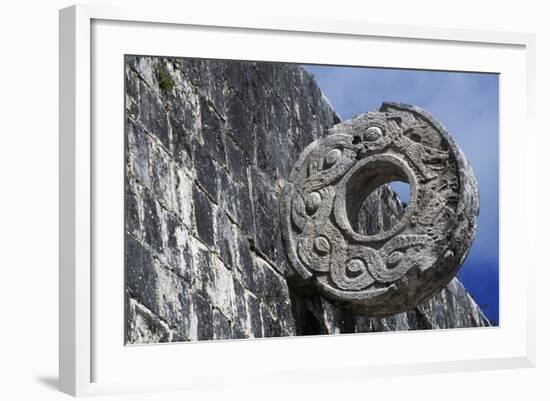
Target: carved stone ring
(389, 271)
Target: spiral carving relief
(389, 271)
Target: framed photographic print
(336, 199)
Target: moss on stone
(166, 83)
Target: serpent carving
(394, 270)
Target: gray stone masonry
(208, 147)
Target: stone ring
(396, 268)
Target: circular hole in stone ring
(363, 179)
(382, 208)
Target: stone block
(203, 272)
(271, 325)
(272, 290)
(244, 262)
(138, 153)
(206, 171)
(267, 235)
(132, 92)
(140, 274)
(143, 67)
(132, 206)
(213, 281)
(225, 242)
(145, 327)
(212, 84)
(239, 120)
(254, 316)
(221, 326)
(154, 286)
(211, 131)
(178, 254)
(183, 196)
(245, 212)
(202, 314)
(204, 218)
(221, 291)
(152, 222)
(185, 121)
(237, 332)
(236, 161)
(152, 115)
(162, 177)
(228, 197)
(263, 155)
(240, 316)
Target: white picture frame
(87, 365)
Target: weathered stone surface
(144, 326)
(403, 264)
(204, 217)
(451, 308)
(204, 165)
(161, 290)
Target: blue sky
(467, 105)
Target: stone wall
(208, 146)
